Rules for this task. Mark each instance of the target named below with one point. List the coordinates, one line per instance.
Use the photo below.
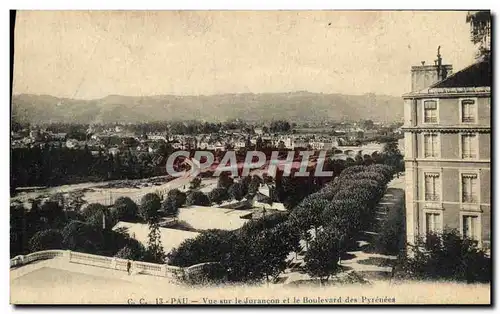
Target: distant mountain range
(295, 106)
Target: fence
(161, 270)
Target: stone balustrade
(152, 269)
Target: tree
(218, 195)
(279, 126)
(195, 183)
(302, 221)
(125, 209)
(392, 156)
(82, 237)
(447, 256)
(237, 191)
(102, 220)
(253, 227)
(177, 197)
(54, 213)
(225, 181)
(49, 239)
(209, 246)
(170, 208)
(149, 207)
(197, 198)
(154, 251)
(75, 201)
(271, 248)
(480, 31)
(322, 257)
(313, 206)
(92, 209)
(18, 229)
(253, 186)
(134, 251)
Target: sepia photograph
(230, 157)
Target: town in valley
(95, 206)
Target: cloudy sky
(94, 54)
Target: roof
(475, 75)
(170, 238)
(476, 78)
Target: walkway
(369, 263)
(366, 264)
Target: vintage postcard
(250, 157)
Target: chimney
(423, 76)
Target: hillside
(296, 106)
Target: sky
(92, 54)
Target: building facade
(447, 151)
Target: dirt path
(373, 265)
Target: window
(468, 111)
(469, 188)
(470, 227)
(469, 150)
(432, 223)
(431, 145)
(430, 111)
(432, 187)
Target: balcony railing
(468, 119)
(469, 155)
(430, 154)
(430, 119)
(431, 197)
(469, 198)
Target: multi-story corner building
(447, 150)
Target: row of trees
(336, 214)
(56, 165)
(260, 249)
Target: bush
(208, 273)
(255, 226)
(49, 239)
(447, 256)
(149, 207)
(82, 237)
(197, 198)
(98, 221)
(92, 209)
(125, 209)
(218, 195)
(132, 251)
(177, 197)
(237, 191)
(169, 207)
(195, 183)
(209, 246)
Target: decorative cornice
(447, 129)
(442, 160)
(449, 92)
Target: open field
(107, 192)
